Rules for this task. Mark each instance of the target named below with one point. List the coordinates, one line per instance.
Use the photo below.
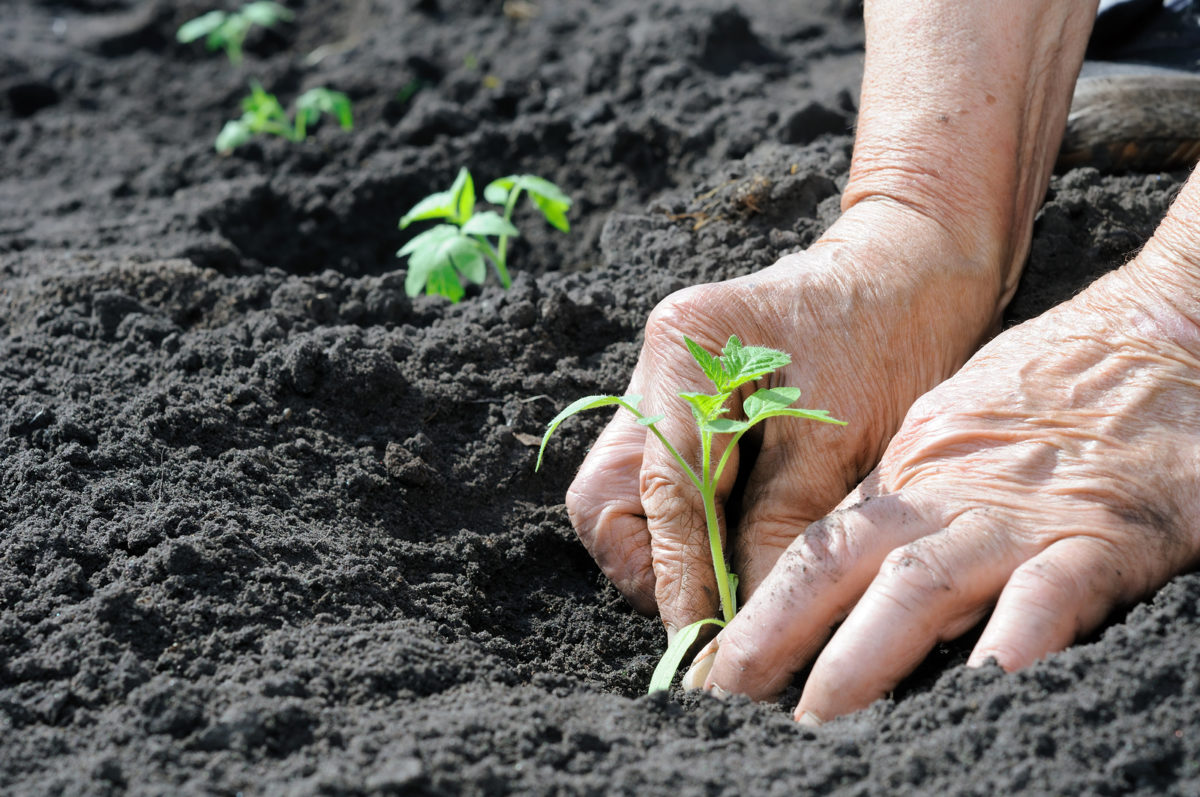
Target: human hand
(1056, 476)
(863, 313)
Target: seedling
(460, 247)
(737, 365)
(222, 30)
(262, 113)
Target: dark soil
(271, 527)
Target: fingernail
(698, 672)
(671, 632)
(809, 720)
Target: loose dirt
(268, 526)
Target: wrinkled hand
(1056, 476)
(863, 314)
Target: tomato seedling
(736, 366)
(442, 256)
(226, 31)
(262, 113)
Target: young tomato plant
(736, 366)
(262, 113)
(461, 246)
(222, 30)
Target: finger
(1050, 601)
(786, 492)
(604, 503)
(930, 590)
(812, 587)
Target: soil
(271, 527)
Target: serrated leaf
(200, 27)
(463, 192)
(668, 665)
(489, 222)
(434, 206)
(769, 398)
(629, 402)
(705, 407)
(743, 364)
(265, 13)
(650, 420)
(233, 135)
(708, 363)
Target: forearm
(962, 111)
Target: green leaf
(437, 257)
(468, 259)
(545, 196)
(705, 407)
(200, 27)
(775, 403)
(463, 191)
(444, 281)
(496, 191)
(321, 100)
(539, 186)
(629, 402)
(733, 585)
(233, 135)
(431, 237)
(650, 420)
(489, 222)
(769, 399)
(725, 426)
(266, 13)
(709, 364)
(793, 412)
(434, 206)
(743, 364)
(668, 665)
(555, 212)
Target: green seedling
(226, 31)
(737, 365)
(461, 246)
(262, 113)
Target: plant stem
(502, 247)
(718, 555)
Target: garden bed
(269, 526)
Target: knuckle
(741, 656)
(914, 573)
(686, 312)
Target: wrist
(1164, 279)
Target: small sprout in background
(409, 90)
(736, 366)
(460, 247)
(222, 30)
(262, 113)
